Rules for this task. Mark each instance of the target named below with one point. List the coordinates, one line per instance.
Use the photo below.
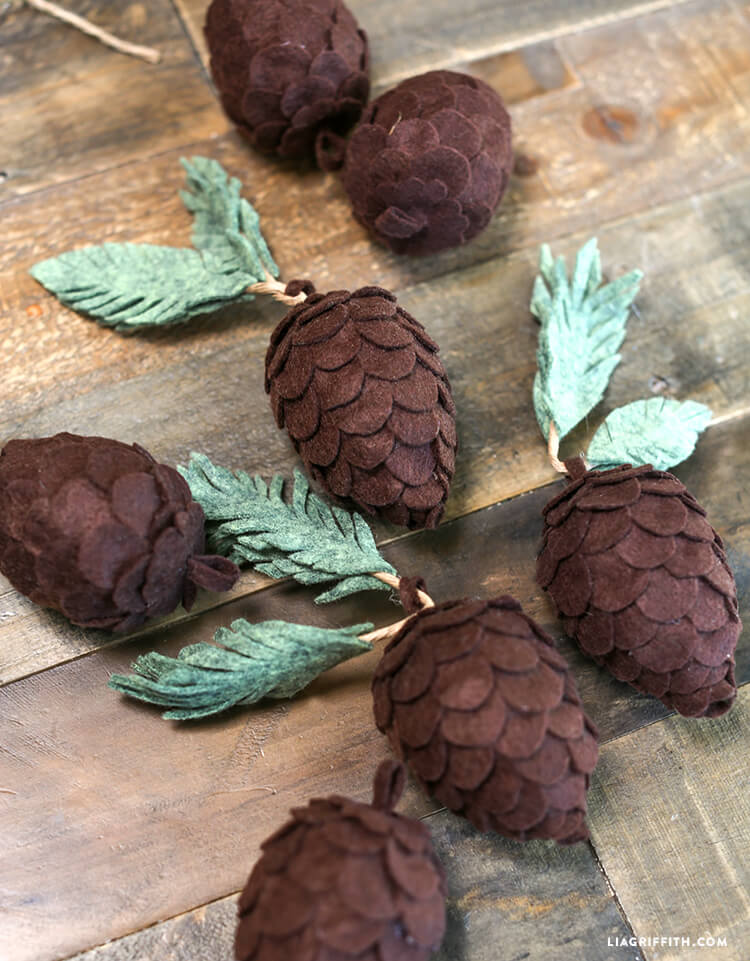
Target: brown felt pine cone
(429, 161)
(359, 386)
(98, 530)
(474, 696)
(641, 581)
(291, 73)
(345, 880)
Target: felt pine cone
(98, 530)
(429, 162)
(345, 880)
(359, 386)
(474, 696)
(290, 72)
(641, 581)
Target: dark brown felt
(292, 74)
(342, 879)
(98, 530)
(475, 697)
(359, 386)
(643, 584)
(429, 162)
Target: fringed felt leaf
(272, 659)
(226, 227)
(659, 431)
(304, 538)
(132, 286)
(582, 328)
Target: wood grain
(70, 106)
(205, 385)
(406, 39)
(670, 819)
(505, 901)
(149, 816)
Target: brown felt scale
(359, 386)
(290, 72)
(475, 697)
(98, 530)
(641, 581)
(429, 162)
(345, 880)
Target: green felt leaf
(582, 328)
(272, 659)
(132, 286)
(226, 227)
(302, 537)
(658, 431)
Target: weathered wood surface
(149, 815)
(630, 120)
(70, 106)
(670, 819)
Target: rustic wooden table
(631, 119)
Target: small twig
(133, 49)
(553, 448)
(276, 289)
(386, 633)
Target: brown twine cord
(85, 26)
(277, 290)
(553, 448)
(574, 466)
(386, 633)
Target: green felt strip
(302, 537)
(273, 659)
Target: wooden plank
(149, 817)
(70, 106)
(506, 901)
(406, 39)
(670, 819)
(203, 383)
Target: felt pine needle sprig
(582, 328)
(135, 286)
(303, 537)
(353, 377)
(248, 662)
(638, 575)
